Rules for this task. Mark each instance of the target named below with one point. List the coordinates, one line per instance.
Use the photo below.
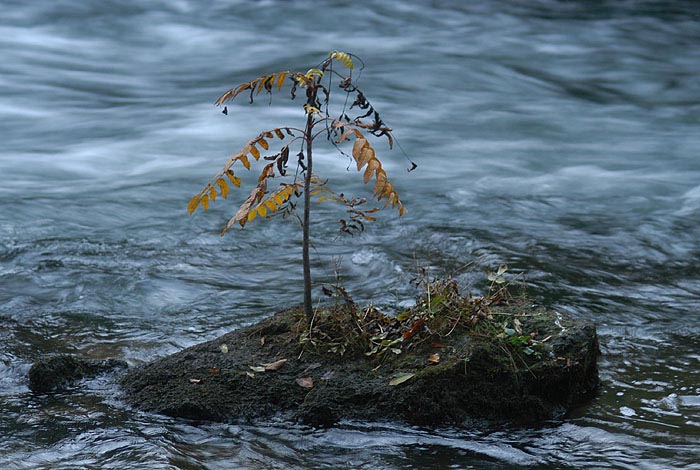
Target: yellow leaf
(263, 143)
(205, 202)
(234, 179)
(223, 187)
(251, 215)
(279, 199)
(270, 204)
(212, 194)
(194, 202)
(280, 80)
(314, 73)
(343, 57)
(245, 161)
(279, 133)
(261, 82)
(262, 210)
(311, 109)
(255, 153)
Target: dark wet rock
(59, 372)
(476, 377)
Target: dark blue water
(560, 138)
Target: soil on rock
(264, 370)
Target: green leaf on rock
(399, 379)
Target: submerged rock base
(263, 370)
(57, 373)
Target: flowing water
(560, 138)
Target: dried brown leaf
(306, 382)
(273, 366)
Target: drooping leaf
(205, 202)
(194, 202)
(223, 187)
(357, 150)
(280, 80)
(279, 134)
(234, 179)
(245, 161)
(212, 194)
(252, 213)
(372, 166)
(255, 153)
(263, 143)
(343, 57)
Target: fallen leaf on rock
(306, 382)
(214, 370)
(262, 341)
(223, 348)
(399, 379)
(257, 368)
(414, 328)
(434, 358)
(328, 375)
(195, 381)
(313, 366)
(272, 366)
(437, 345)
(250, 374)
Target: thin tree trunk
(308, 311)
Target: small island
(510, 362)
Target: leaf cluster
(262, 201)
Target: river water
(560, 138)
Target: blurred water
(558, 137)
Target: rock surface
(56, 373)
(475, 377)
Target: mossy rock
(470, 373)
(57, 373)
